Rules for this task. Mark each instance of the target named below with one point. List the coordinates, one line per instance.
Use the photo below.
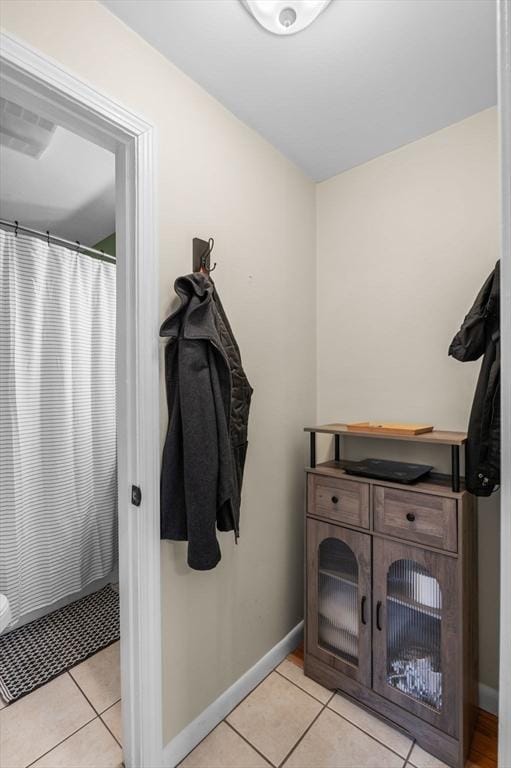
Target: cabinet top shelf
(436, 437)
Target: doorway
(61, 99)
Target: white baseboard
(199, 728)
(488, 699)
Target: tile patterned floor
(291, 721)
(288, 721)
(71, 722)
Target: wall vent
(23, 130)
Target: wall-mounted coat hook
(202, 255)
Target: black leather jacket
(208, 398)
(480, 335)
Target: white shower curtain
(58, 486)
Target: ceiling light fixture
(285, 17)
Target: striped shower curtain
(58, 485)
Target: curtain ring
(16, 227)
(48, 236)
(77, 246)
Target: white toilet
(5, 613)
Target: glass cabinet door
(339, 612)
(415, 635)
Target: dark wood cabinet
(391, 602)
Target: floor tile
(371, 725)
(113, 718)
(295, 673)
(333, 742)
(91, 747)
(36, 723)
(419, 758)
(223, 748)
(274, 716)
(99, 677)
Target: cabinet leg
(455, 467)
(313, 449)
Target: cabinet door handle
(335, 499)
(410, 516)
(363, 610)
(378, 615)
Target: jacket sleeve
(470, 341)
(200, 453)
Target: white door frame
(504, 38)
(72, 103)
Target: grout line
(304, 691)
(112, 734)
(323, 707)
(83, 693)
(265, 757)
(326, 706)
(382, 743)
(106, 724)
(355, 725)
(110, 706)
(224, 720)
(97, 716)
(286, 757)
(232, 710)
(406, 763)
(249, 693)
(63, 740)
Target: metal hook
(77, 246)
(16, 227)
(206, 256)
(48, 236)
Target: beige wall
(217, 177)
(404, 243)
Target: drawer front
(342, 501)
(419, 517)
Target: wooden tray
(388, 428)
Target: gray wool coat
(208, 399)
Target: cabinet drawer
(418, 517)
(342, 501)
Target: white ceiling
(69, 190)
(368, 75)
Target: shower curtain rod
(78, 247)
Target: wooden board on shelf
(436, 437)
(389, 428)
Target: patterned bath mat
(37, 652)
